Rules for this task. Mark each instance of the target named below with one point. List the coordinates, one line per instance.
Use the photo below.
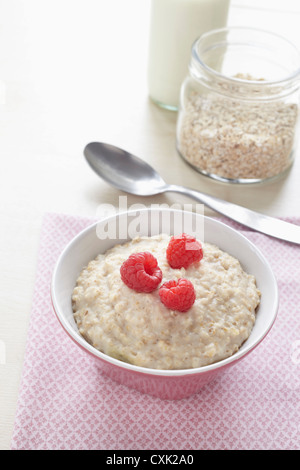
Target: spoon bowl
(124, 170)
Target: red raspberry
(141, 272)
(183, 250)
(178, 295)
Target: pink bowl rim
(81, 342)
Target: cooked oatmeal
(137, 328)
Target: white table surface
(74, 71)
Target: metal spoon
(130, 174)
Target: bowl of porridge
(164, 300)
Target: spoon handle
(261, 223)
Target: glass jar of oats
(239, 105)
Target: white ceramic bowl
(166, 384)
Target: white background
(73, 71)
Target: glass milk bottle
(174, 26)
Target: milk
(174, 26)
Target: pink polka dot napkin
(66, 403)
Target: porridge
(138, 328)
